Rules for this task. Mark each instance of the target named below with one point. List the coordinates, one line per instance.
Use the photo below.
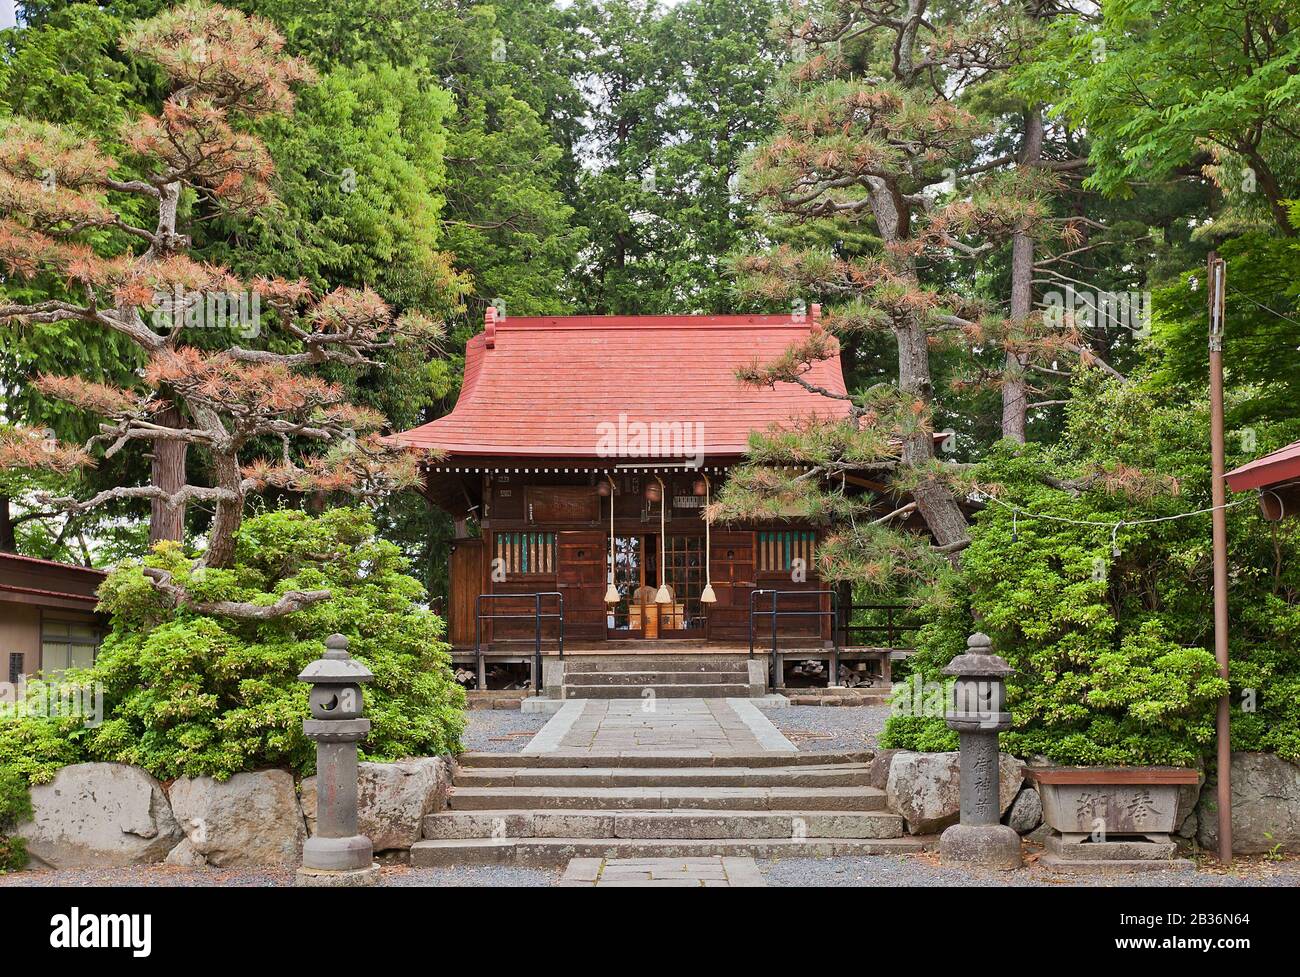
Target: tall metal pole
(1215, 280)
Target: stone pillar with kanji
(977, 712)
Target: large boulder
(100, 814)
(925, 788)
(1265, 805)
(392, 799)
(878, 774)
(1026, 812)
(250, 819)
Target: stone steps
(668, 758)
(663, 688)
(657, 798)
(552, 807)
(558, 851)
(824, 775)
(691, 825)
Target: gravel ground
(149, 875)
(392, 875)
(877, 871)
(924, 870)
(500, 730)
(825, 729)
(502, 876)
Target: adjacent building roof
(1282, 465)
(27, 580)
(555, 386)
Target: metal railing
(891, 629)
(537, 617)
(775, 614)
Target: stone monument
(978, 713)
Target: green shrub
(187, 694)
(1112, 650)
(15, 807)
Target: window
(778, 551)
(685, 575)
(67, 644)
(519, 553)
(15, 668)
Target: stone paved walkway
(679, 727)
(714, 871)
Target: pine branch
(289, 603)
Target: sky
(7, 14)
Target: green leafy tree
(1262, 315)
(678, 101)
(1166, 87)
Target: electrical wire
(1114, 526)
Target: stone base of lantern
(316, 878)
(338, 854)
(995, 846)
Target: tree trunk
(934, 500)
(8, 543)
(1015, 395)
(229, 513)
(168, 474)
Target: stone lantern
(336, 855)
(978, 713)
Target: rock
(95, 814)
(1188, 821)
(879, 773)
(1265, 805)
(185, 856)
(250, 819)
(393, 799)
(1026, 811)
(925, 788)
(1039, 835)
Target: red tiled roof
(542, 386)
(1282, 465)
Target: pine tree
(59, 190)
(871, 128)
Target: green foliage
(679, 103)
(1164, 87)
(15, 806)
(1113, 649)
(188, 694)
(1261, 310)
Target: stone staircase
(669, 676)
(545, 810)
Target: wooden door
(580, 574)
(466, 583)
(731, 558)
